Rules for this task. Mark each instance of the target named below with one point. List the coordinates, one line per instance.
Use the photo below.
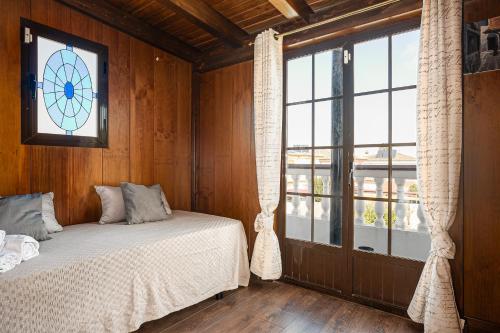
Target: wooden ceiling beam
(129, 24)
(207, 18)
(294, 8)
(403, 11)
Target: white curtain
(268, 77)
(439, 142)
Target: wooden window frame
(29, 92)
(348, 197)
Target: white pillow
(48, 213)
(113, 206)
(165, 203)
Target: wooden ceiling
(202, 31)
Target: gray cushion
(142, 203)
(22, 215)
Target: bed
(112, 278)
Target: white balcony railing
(410, 238)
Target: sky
(370, 111)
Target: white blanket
(112, 278)
(14, 249)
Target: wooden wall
(149, 119)
(481, 188)
(227, 183)
(226, 173)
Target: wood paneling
(314, 264)
(481, 175)
(14, 157)
(227, 183)
(482, 197)
(141, 112)
(387, 280)
(142, 92)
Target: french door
(350, 219)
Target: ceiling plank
(393, 14)
(204, 16)
(293, 8)
(122, 20)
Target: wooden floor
(278, 307)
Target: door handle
(351, 173)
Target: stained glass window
(64, 88)
(68, 81)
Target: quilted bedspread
(112, 278)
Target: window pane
(328, 221)
(328, 131)
(299, 125)
(370, 226)
(404, 173)
(371, 65)
(371, 119)
(371, 173)
(328, 171)
(298, 217)
(410, 237)
(404, 116)
(405, 58)
(298, 171)
(299, 75)
(328, 74)
(323, 74)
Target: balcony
(410, 238)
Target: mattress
(114, 277)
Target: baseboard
(474, 325)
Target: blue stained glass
(68, 90)
(76, 105)
(50, 98)
(81, 118)
(69, 124)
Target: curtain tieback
(264, 221)
(442, 245)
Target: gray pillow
(22, 215)
(142, 203)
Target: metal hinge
(28, 37)
(347, 57)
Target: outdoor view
(384, 152)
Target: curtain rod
(334, 19)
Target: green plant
(370, 216)
(318, 188)
(386, 217)
(413, 188)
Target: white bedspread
(112, 278)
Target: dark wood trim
(129, 24)
(350, 285)
(475, 325)
(294, 8)
(352, 298)
(378, 20)
(207, 18)
(195, 144)
(30, 93)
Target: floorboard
(279, 307)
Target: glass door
(314, 148)
(314, 166)
(387, 216)
(350, 210)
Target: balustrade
(403, 215)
